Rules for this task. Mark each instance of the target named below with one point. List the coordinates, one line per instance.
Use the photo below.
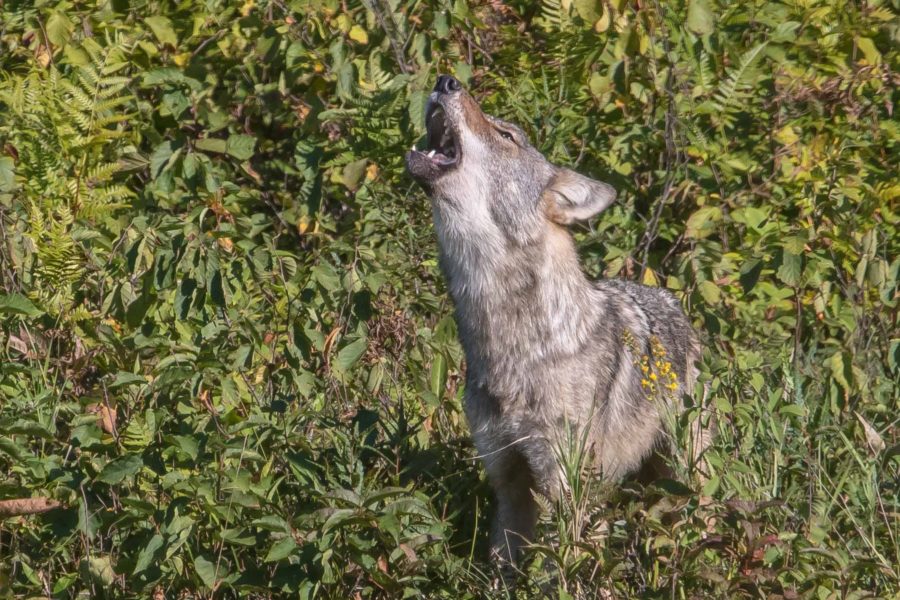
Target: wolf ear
(571, 197)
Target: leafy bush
(229, 363)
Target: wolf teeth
(431, 154)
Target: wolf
(547, 350)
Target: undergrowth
(229, 362)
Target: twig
(390, 33)
(11, 282)
(46, 41)
(652, 231)
(208, 41)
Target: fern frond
(103, 123)
(87, 77)
(79, 313)
(68, 131)
(83, 100)
(101, 172)
(695, 135)
(704, 72)
(111, 194)
(553, 14)
(738, 79)
(112, 87)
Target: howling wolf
(547, 350)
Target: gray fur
(543, 344)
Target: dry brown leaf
(873, 438)
(107, 416)
(329, 340)
(18, 345)
(42, 55)
(409, 552)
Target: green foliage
(65, 134)
(229, 356)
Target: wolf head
(483, 175)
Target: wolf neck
(517, 305)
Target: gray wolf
(546, 348)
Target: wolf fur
(543, 344)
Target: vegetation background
(228, 361)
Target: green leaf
(206, 570)
(281, 549)
(785, 32)
(867, 47)
(117, 470)
(589, 10)
(240, 146)
(840, 371)
(64, 582)
(7, 174)
(326, 276)
(184, 297)
(794, 244)
(124, 378)
(170, 75)
(702, 223)
(272, 523)
(700, 17)
(463, 72)
(438, 374)
(162, 29)
(750, 272)
(751, 216)
(353, 172)
(137, 310)
(217, 145)
(792, 409)
(710, 292)
(162, 156)
(59, 28)
(791, 268)
(100, 568)
(358, 34)
(148, 553)
(350, 354)
(673, 486)
(441, 24)
(17, 304)
(175, 103)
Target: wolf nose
(446, 84)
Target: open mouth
(442, 148)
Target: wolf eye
(506, 135)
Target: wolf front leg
(517, 512)
(509, 474)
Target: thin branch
(669, 159)
(396, 47)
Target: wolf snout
(447, 84)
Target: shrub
(229, 362)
